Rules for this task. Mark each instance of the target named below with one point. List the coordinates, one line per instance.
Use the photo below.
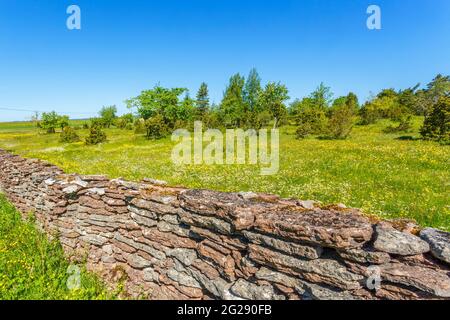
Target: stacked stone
(173, 243)
(22, 180)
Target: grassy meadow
(390, 175)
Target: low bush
(340, 123)
(139, 126)
(69, 135)
(156, 127)
(437, 124)
(97, 122)
(96, 136)
(403, 126)
(310, 121)
(124, 121)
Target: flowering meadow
(389, 175)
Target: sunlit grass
(374, 171)
(34, 268)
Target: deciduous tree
(108, 115)
(272, 99)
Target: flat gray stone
(94, 239)
(143, 221)
(425, 279)
(365, 256)
(210, 223)
(393, 241)
(164, 226)
(183, 278)
(99, 191)
(217, 287)
(251, 291)
(310, 291)
(326, 271)
(278, 277)
(185, 256)
(292, 248)
(50, 181)
(80, 182)
(150, 275)
(439, 242)
(71, 189)
(136, 261)
(307, 204)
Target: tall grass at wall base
(32, 267)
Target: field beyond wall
(391, 175)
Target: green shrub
(181, 124)
(303, 131)
(120, 123)
(211, 120)
(384, 106)
(124, 121)
(340, 123)
(96, 136)
(69, 135)
(258, 120)
(311, 121)
(437, 124)
(403, 126)
(139, 126)
(156, 127)
(97, 122)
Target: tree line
(247, 103)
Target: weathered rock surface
(439, 242)
(172, 243)
(311, 291)
(393, 241)
(317, 271)
(251, 291)
(292, 248)
(334, 229)
(424, 279)
(365, 256)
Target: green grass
(374, 171)
(33, 268)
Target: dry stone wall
(175, 243)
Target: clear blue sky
(127, 46)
